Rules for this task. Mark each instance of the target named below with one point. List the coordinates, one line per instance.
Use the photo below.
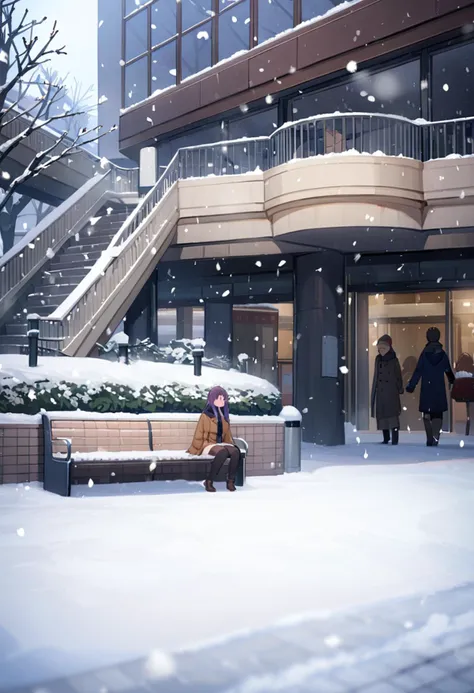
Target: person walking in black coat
(387, 386)
(432, 366)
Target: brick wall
(21, 453)
(21, 446)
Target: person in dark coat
(387, 386)
(432, 366)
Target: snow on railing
(336, 133)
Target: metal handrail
(338, 133)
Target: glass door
(462, 308)
(405, 317)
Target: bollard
(198, 353)
(33, 339)
(122, 340)
(243, 360)
(292, 452)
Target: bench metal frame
(57, 470)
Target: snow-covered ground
(114, 572)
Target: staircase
(63, 273)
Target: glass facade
(452, 86)
(315, 8)
(205, 31)
(395, 90)
(234, 29)
(274, 16)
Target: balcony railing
(350, 133)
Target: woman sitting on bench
(213, 437)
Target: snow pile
(105, 386)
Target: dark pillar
(141, 322)
(319, 346)
(152, 316)
(362, 362)
(218, 329)
(184, 322)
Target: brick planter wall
(21, 445)
(21, 453)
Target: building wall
(315, 57)
(109, 77)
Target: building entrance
(405, 317)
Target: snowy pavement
(115, 572)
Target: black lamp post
(33, 338)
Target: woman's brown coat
(206, 434)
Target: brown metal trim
(215, 33)
(148, 41)
(122, 67)
(407, 39)
(297, 11)
(179, 29)
(254, 24)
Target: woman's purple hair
(214, 393)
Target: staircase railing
(19, 265)
(338, 133)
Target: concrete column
(184, 322)
(217, 329)
(319, 346)
(362, 362)
(148, 168)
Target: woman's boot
(209, 486)
(394, 436)
(386, 436)
(428, 429)
(436, 425)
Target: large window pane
(234, 30)
(315, 8)
(163, 66)
(166, 150)
(136, 35)
(394, 91)
(196, 50)
(163, 21)
(136, 82)
(274, 16)
(195, 11)
(255, 125)
(453, 83)
(132, 5)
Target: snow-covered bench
(129, 449)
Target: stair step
(60, 275)
(12, 349)
(69, 257)
(45, 300)
(49, 290)
(88, 246)
(13, 340)
(16, 329)
(40, 309)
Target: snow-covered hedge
(101, 386)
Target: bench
(119, 451)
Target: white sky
(77, 24)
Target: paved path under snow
(115, 572)
(423, 644)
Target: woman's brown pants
(221, 454)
